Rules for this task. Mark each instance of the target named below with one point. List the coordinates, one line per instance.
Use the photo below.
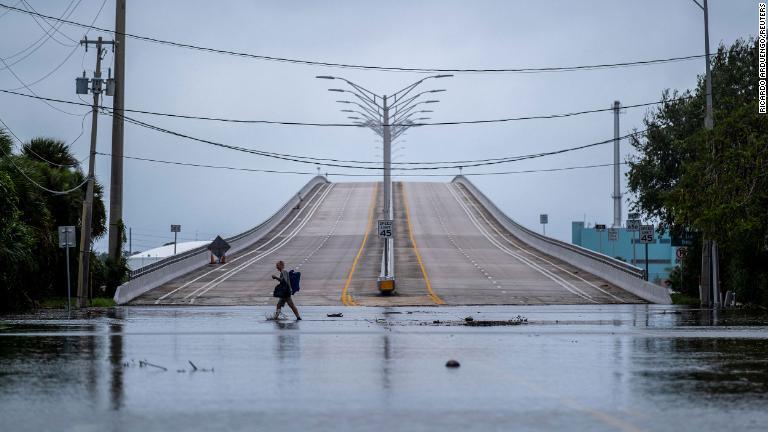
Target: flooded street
(612, 367)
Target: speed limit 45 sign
(646, 234)
(384, 228)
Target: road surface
(448, 250)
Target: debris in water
(335, 315)
(143, 363)
(452, 364)
(194, 368)
(469, 319)
(518, 320)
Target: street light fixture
(378, 119)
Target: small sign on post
(633, 224)
(66, 241)
(646, 236)
(544, 220)
(600, 227)
(613, 234)
(175, 229)
(384, 228)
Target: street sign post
(544, 220)
(384, 228)
(633, 225)
(646, 236)
(613, 237)
(175, 229)
(66, 241)
(600, 228)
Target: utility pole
(709, 290)
(616, 170)
(118, 104)
(83, 288)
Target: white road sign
(646, 234)
(66, 236)
(613, 234)
(384, 228)
(633, 224)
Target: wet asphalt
(583, 367)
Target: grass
(61, 302)
(683, 299)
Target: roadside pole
(66, 241)
(97, 82)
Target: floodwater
(613, 367)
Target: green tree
(715, 182)
(30, 217)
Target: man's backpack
(294, 277)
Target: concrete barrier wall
(170, 268)
(617, 272)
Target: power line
(53, 28)
(66, 58)
(368, 67)
(299, 159)
(9, 10)
(229, 168)
(39, 43)
(297, 123)
(337, 162)
(33, 92)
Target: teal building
(661, 253)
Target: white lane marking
(450, 234)
(214, 283)
(560, 281)
(232, 261)
(509, 240)
(332, 230)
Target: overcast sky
(434, 34)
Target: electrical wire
(296, 123)
(369, 67)
(7, 11)
(323, 161)
(68, 56)
(297, 158)
(30, 179)
(33, 92)
(29, 7)
(229, 168)
(36, 45)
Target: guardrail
(617, 272)
(153, 275)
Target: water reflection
(701, 367)
(116, 365)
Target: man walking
(283, 291)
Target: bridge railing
(153, 275)
(617, 272)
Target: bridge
(451, 246)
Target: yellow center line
(432, 295)
(346, 297)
